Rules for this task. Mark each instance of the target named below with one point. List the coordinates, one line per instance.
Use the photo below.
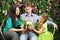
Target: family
(13, 31)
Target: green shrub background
(53, 12)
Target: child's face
(41, 19)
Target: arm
(38, 31)
(9, 26)
(52, 23)
(55, 25)
(16, 30)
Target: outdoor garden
(51, 7)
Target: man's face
(28, 9)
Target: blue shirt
(33, 17)
(9, 24)
(49, 22)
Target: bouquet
(23, 22)
(26, 24)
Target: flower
(29, 23)
(55, 4)
(23, 21)
(39, 11)
(26, 23)
(59, 1)
(19, 4)
(4, 3)
(4, 12)
(55, 11)
(19, 0)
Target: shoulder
(9, 19)
(34, 14)
(23, 14)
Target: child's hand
(31, 27)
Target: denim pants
(31, 35)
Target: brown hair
(27, 6)
(12, 14)
(45, 17)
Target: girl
(42, 30)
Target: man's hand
(55, 26)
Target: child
(43, 33)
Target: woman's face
(17, 11)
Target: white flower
(29, 22)
(22, 25)
(40, 2)
(20, 0)
(39, 11)
(5, 12)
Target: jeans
(31, 35)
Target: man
(28, 15)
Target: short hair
(27, 6)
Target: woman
(13, 21)
(42, 30)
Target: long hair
(12, 13)
(45, 17)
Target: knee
(33, 38)
(14, 34)
(11, 35)
(23, 37)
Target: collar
(27, 15)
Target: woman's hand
(14, 29)
(22, 29)
(17, 30)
